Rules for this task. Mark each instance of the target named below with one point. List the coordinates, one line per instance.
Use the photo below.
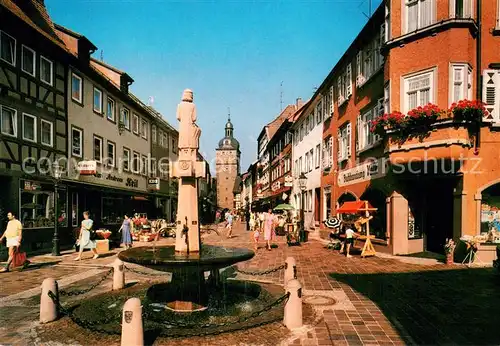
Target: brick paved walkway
(371, 301)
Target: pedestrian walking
(126, 235)
(269, 221)
(84, 240)
(13, 235)
(229, 226)
(348, 241)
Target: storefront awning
(355, 207)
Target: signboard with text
(288, 181)
(87, 167)
(364, 172)
(154, 184)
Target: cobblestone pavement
(355, 301)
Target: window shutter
(348, 142)
(330, 152)
(331, 101)
(359, 61)
(339, 146)
(359, 133)
(339, 90)
(491, 95)
(348, 80)
(381, 44)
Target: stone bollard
(118, 275)
(48, 308)
(132, 331)
(290, 270)
(293, 309)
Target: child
(349, 240)
(256, 235)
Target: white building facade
(307, 158)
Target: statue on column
(189, 132)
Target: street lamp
(303, 187)
(55, 241)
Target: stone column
(399, 224)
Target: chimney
(125, 81)
(298, 102)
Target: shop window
(7, 48)
(126, 159)
(9, 121)
(76, 142)
(74, 209)
(47, 132)
(97, 100)
(135, 124)
(37, 205)
(490, 211)
(46, 70)
(76, 88)
(112, 210)
(28, 60)
(29, 127)
(110, 109)
(414, 228)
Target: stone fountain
(188, 260)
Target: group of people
(267, 223)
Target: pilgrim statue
(189, 132)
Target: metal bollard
(118, 275)
(48, 308)
(132, 330)
(290, 269)
(293, 309)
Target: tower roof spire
(228, 114)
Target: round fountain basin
(165, 258)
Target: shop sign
(87, 167)
(364, 172)
(288, 181)
(276, 186)
(31, 186)
(132, 183)
(154, 184)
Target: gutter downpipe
(478, 71)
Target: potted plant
(449, 249)
(382, 124)
(469, 111)
(422, 117)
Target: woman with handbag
(14, 235)
(86, 239)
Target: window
(110, 109)
(460, 82)
(419, 14)
(144, 165)
(365, 138)
(41, 196)
(154, 169)
(369, 61)
(136, 161)
(9, 121)
(97, 100)
(47, 132)
(110, 159)
(76, 88)
(311, 160)
(329, 104)
(76, 142)
(317, 156)
(7, 48)
(301, 131)
(153, 133)
(418, 90)
(387, 24)
(319, 112)
(306, 163)
(46, 70)
(387, 98)
(344, 142)
(144, 129)
(97, 149)
(344, 85)
(126, 159)
(327, 152)
(160, 138)
(125, 118)
(461, 8)
(28, 60)
(135, 124)
(29, 127)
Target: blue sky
(230, 53)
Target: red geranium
(469, 110)
(423, 116)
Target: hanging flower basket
(469, 111)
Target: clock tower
(227, 167)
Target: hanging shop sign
(87, 167)
(288, 181)
(31, 186)
(276, 186)
(364, 172)
(154, 184)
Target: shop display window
(112, 210)
(490, 213)
(37, 205)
